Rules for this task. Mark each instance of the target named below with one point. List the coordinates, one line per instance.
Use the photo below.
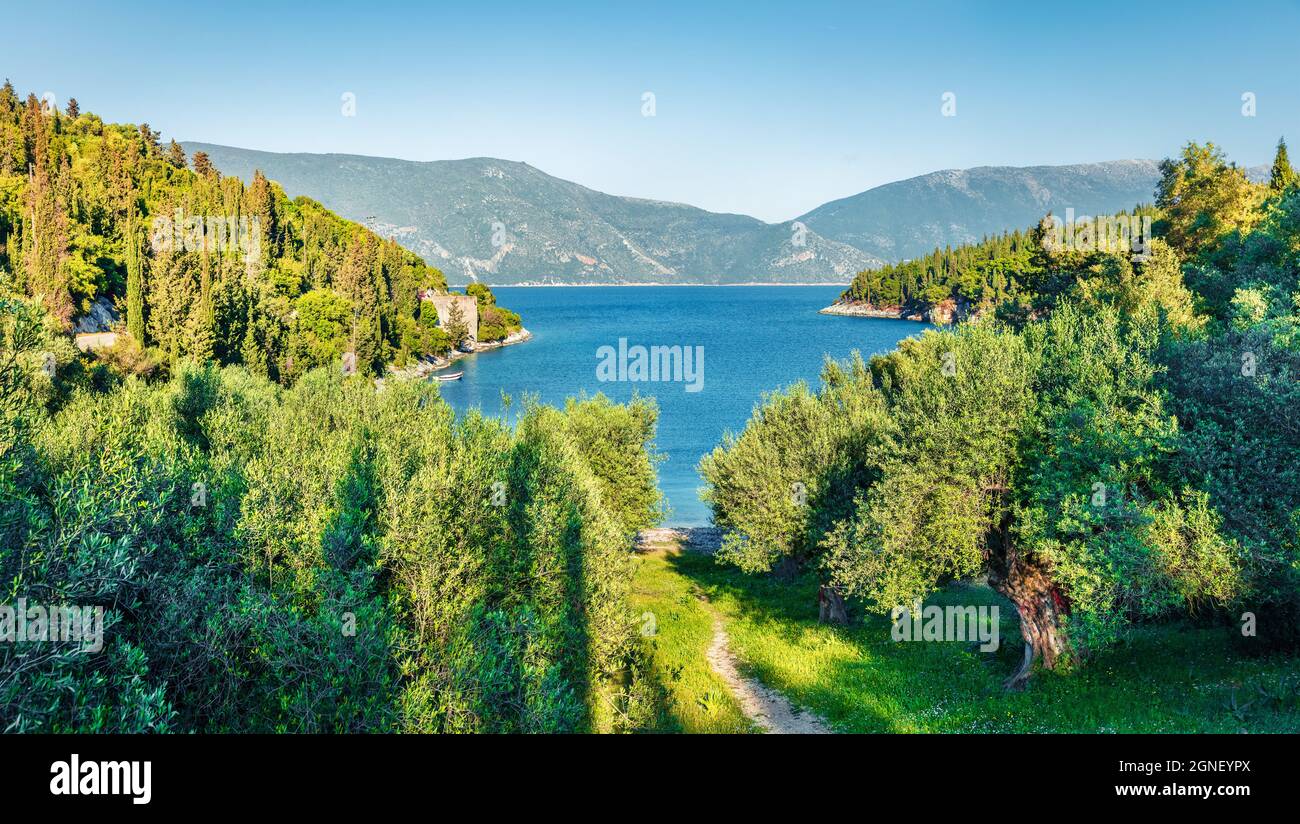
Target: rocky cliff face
(941, 314)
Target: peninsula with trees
(162, 259)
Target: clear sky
(765, 109)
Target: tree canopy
(1109, 443)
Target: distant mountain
(506, 222)
(906, 219)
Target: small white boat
(451, 376)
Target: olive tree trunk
(1042, 621)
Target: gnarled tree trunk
(1042, 616)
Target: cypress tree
(1283, 174)
(134, 281)
(203, 318)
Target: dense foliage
(277, 545)
(1114, 442)
(328, 557)
(1014, 271)
(989, 271)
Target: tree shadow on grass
(837, 672)
(1169, 677)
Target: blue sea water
(755, 339)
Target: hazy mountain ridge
(908, 218)
(508, 222)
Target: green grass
(1168, 678)
(698, 701)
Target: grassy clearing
(1162, 679)
(698, 701)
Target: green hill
(199, 265)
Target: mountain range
(507, 222)
(908, 218)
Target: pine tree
(8, 101)
(36, 138)
(457, 328)
(171, 299)
(176, 155)
(134, 282)
(259, 205)
(72, 110)
(203, 165)
(1283, 174)
(150, 139)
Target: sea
(743, 342)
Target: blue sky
(765, 109)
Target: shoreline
(424, 368)
(859, 310)
(706, 539)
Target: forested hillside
(1024, 271)
(200, 266)
(276, 547)
(1016, 272)
(1113, 443)
(986, 272)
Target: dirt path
(767, 708)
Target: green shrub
(326, 558)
